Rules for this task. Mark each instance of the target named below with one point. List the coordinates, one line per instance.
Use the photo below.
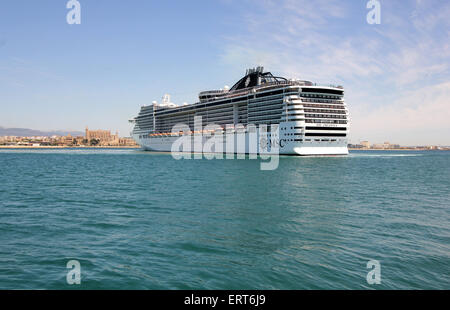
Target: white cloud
(395, 74)
(418, 117)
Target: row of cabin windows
(324, 111)
(325, 116)
(319, 96)
(326, 128)
(323, 106)
(325, 121)
(321, 101)
(332, 140)
(322, 134)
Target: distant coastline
(402, 149)
(137, 147)
(66, 147)
(27, 132)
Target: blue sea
(140, 220)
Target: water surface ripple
(137, 220)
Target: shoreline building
(103, 136)
(365, 144)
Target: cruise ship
(309, 119)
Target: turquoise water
(136, 220)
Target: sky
(125, 54)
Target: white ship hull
(240, 143)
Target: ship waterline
(241, 143)
(302, 119)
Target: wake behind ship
(312, 119)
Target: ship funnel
(259, 69)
